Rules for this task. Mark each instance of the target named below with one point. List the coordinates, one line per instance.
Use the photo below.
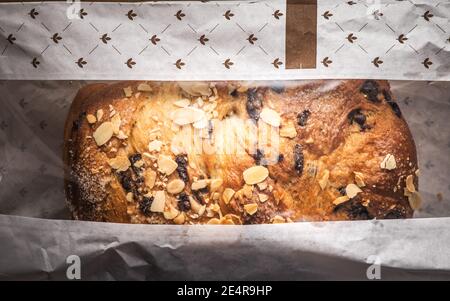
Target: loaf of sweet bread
(239, 153)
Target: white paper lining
(406, 39)
(402, 249)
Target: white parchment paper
(163, 40)
(403, 249)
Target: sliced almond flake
(200, 184)
(103, 133)
(128, 92)
(182, 103)
(365, 203)
(388, 162)
(155, 146)
(143, 87)
(196, 207)
(149, 178)
(235, 218)
(91, 118)
(288, 131)
(247, 191)
(410, 183)
(310, 140)
(145, 154)
(180, 219)
(213, 221)
(340, 200)
(120, 163)
(213, 87)
(263, 197)
(277, 219)
(188, 115)
(359, 179)
(215, 184)
(171, 213)
(210, 106)
(215, 196)
(209, 212)
(159, 202)
(201, 124)
(129, 197)
(255, 174)
(415, 200)
(175, 186)
(242, 89)
(417, 172)
(262, 185)
(138, 163)
(239, 195)
(99, 114)
(122, 135)
(196, 88)
(251, 208)
(224, 221)
(116, 121)
(323, 182)
(227, 195)
(166, 165)
(406, 192)
(352, 190)
(200, 102)
(215, 207)
(271, 117)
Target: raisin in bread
(239, 153)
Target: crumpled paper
(400, 249)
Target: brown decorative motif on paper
(179, 64)
(228, 14)
(327, 15)
(377, 62)
(131, 15)
(130, 63)
(33, 13)
(180, 15)
(427, 63)
(277, 63)
(154, 39)
(81, 62)
(326, 61)
(228, 63)
(252, 39)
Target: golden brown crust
(333, 133)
